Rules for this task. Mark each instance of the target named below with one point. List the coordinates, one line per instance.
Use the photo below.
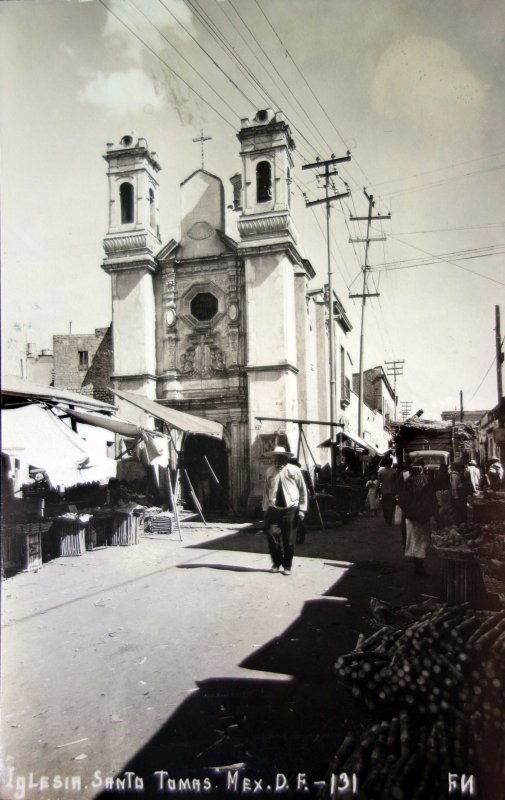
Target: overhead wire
(448, 261)
(487, 372)
(260, 47)
(304, 79)
(183, 57)
(195, 40)
(165, 63)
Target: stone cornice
(264, 225)
(285, 246)
(273, 368)
(131, 242)
(200, 263)
(145, 376)
(126, 264)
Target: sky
(415, 91)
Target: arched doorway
(206, 462)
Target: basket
(71, 537)
(125, 530)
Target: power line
(255, 78)
(447, 261)
(445, 230)
(440, 183)
(216, 64)
(302, 76)
(487, 373)
(171, 69)
(471, 252)
(441, 169)
(186, 61)
(325, 143)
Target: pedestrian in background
(420, 505)
(285, 504)
(372, 495)
(442, 483)
(402, 477)
(473, 477)
(387, 484)
(494, 475)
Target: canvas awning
(119, 426)
(39, 438)
(180, 420)
(353, 437)
(18, 387)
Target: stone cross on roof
(202, 139)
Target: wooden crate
(22, 547)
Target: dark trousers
(281, 544)
(388, 507)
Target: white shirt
(293, 486)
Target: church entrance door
(206, 462)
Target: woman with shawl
(419, 505)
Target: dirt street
(153, 667)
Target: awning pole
(310, 479)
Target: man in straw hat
(284, 504)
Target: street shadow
(227, 567)
(256, 727)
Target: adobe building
(220, 327)
(83, 363)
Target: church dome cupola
(266, 151)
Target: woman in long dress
(372, 496)
(419, 506)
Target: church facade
(225, 328)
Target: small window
(152, 209)
(126, 197)
(83, 359)
(204, 306)
(263, 182)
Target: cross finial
(202, 139)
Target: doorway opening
(206, 462)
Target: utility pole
(395, 368)
(327, 174)
(461, 412)
(364, 296)
(499, 353)
(406, 409)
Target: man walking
(387, 484)
(284, 504)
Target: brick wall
(93, 379)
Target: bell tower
(130, 245)
(276, 276)
(266, 148)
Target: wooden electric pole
(499, 354)
(364, 294)
(327, 174)
(395, 368)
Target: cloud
(122, 92)
(127, 24)
(423, 81)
